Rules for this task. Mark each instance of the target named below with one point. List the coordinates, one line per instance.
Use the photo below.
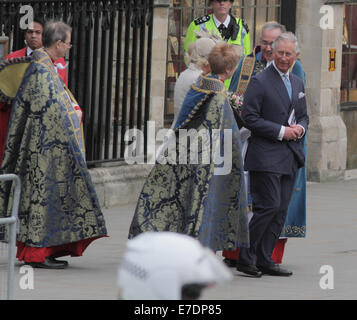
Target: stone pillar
(327, 139)
(159, 60)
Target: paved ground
(331, 240)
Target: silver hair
(54, 31)
(287, 36)
(199, 50)
(272, 25)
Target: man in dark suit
(275, 111)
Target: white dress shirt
(282, 130)
(28, 51)
(218, 23)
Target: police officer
(229, 28)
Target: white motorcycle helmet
(168, 266)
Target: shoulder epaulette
(202, 19)
(245, 25)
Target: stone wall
(350, 119)
(327, 140)
(119, 185)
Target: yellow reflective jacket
(240, 38)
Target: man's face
(33, 36)
(284, 55)
(266, 41)
(61, 47)
(65, 45)
(221, 8)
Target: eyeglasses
(69, 45)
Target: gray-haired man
(275, 112)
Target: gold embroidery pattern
(294, 231)
(246, 74)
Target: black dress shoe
(275, 270)
(49, 264)
(54, 260)
(249, 269)
(230, 263)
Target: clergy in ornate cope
(59, 213)
(202, 199)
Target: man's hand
(293, 132)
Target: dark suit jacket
(266, 108)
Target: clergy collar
(218, 23)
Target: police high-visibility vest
(240, 38)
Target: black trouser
(271, 194)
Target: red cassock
(277, 255)
(25, 253)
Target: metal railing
(12, 222)
(109, 68)
(349, 59)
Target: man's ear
(297, 55)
